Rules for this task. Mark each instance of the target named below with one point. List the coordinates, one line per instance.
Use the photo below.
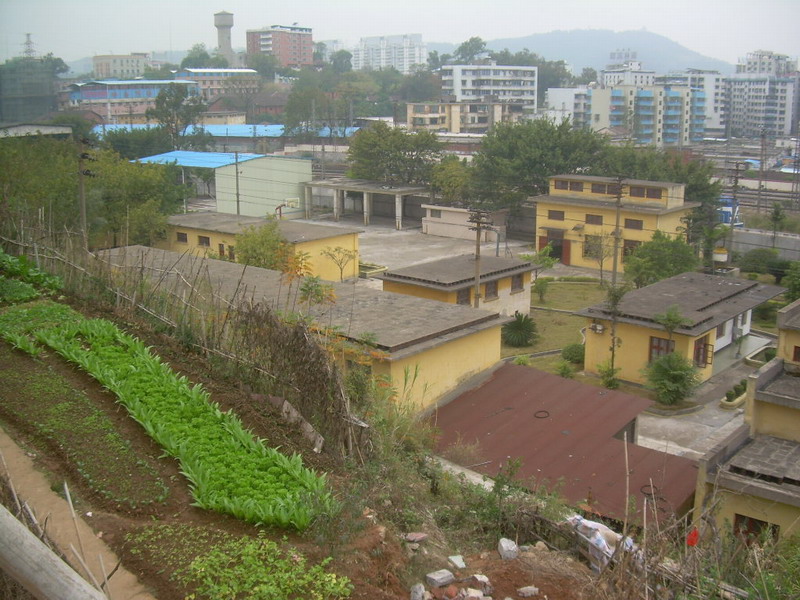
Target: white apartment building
(628, 73)
(470, 83)
(399, 51)
(120, 66)
(763, 96)
(712, 83)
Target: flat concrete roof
(705, 300)
(457, 271)
(563, 433)
(401, 325)
(293, 231)
(365, 185)
(770, 459)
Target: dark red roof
(562, 431)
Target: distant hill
(591, 48)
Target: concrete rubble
(508, 549)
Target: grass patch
(62, 417)
(570, 295)
(555, 330)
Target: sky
(74, 29)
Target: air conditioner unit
(597, 328)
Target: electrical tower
(29, 51)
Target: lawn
(570, 295)
(555, 330)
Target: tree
(468, 51)
(265, 64)
(451, 179)
(672, 377)
(542, 259)
(138, 143)
(54, 64)
(175, 111)
(81, 127)
(165, 71)
(519, 332)
(792, 282)
(263, 247)
(600, 248)
(757, 259)
(387, 154)
(341, 61)
(420, 86)
(341, 257)
(435, 60)
(588, 75)
(778, 267)
(517, 159)
(662, 257)
(198, 58)
(672, 320)
(776, 217)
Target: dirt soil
(376, 561)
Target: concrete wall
(454, 223)
(264, 184)
(441, 369)
(787, 244)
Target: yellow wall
(321, 266)
(787, 340)
(409, 289)
(575, 216)
(324, 267)
(730, 504)
(634, 350)
(442, 368)
(766, 418)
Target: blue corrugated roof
(220, 131)
(208, 160)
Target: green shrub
(540, 287)
(730, 395)
(608, 376)
(738, 389)
(574, 353)
(14, 292)
(522, 360)
(565, 369)
(766, 311)
(519, 332)
(672, 377)
(770, 353)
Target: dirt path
(33, 488)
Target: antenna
(29, 51)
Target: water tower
(223, 21)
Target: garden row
(228, 469)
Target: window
(660, 347)
(594, 219)
(796, 354)
(703, 352)
(517, 283)
(181, 236)
(203, 240)
(561, 185)
(490, 290)
(464, 296)
(231, 254)
(629, 247)
(555, 215)
(721, 330)
(637, 191)
(599, 188)
(222, 250)
(576, 186)
(634, 224)
(654, 193)
(436, 213)
(752, 529)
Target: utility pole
(236, 164)
(762, 160)
(83, 156)
(734, 204)
(480, 220)
(614, 294)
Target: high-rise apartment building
(470, 83)
(763, 96)
(712, 83)
(292, 46)
(399, 51)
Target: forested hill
(591, 48)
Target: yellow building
(504, 282)
(717, 312)
(214, 234)
(752, 478)
(578, 217)
(426, 348)
(461, 117)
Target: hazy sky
(73, 29)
